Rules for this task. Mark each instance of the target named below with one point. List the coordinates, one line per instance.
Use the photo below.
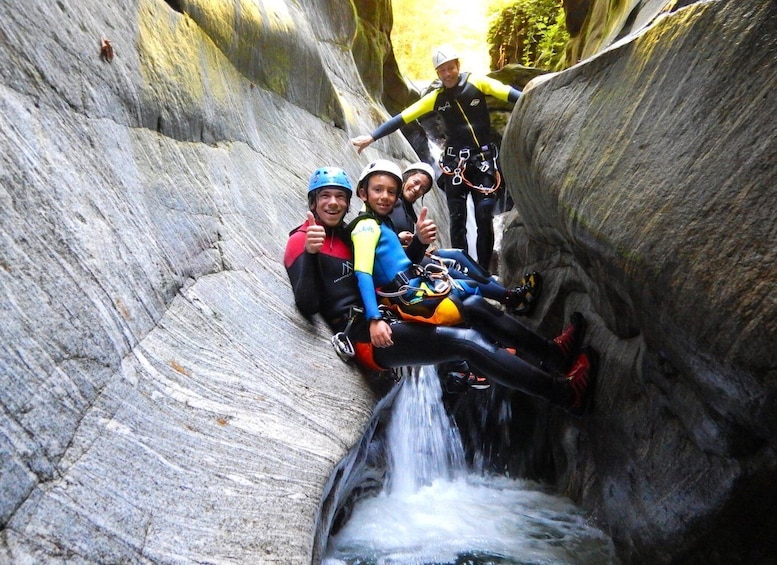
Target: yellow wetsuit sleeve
(491, 86)
(365, 236)
(419, 108)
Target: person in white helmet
(469, 158)
(417, 180)
(323, 273)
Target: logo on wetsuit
(347, 271)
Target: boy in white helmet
(323, 274)
(469, 159)
(388, 276)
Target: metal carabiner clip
(343, 346)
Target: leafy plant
(529, 32)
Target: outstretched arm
(497, 89)
(361, 142)
(412, 112)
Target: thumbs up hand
(425, 228)
(315, 235)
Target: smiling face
(381, 193)
(449, 73)
(330, 205)
(415, 186)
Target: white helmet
(380, 166)
(443, 54)
(419, 167)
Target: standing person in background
(469, 158)
(417, 179)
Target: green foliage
(529, 32)
(532, 31)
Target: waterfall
(432, 510)
(423, 443)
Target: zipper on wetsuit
(469, 124)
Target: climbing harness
(434, 282)
(342, 342)
(343, 346)
(456, 163)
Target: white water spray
(432, 512)
(423, 443)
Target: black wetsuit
(467, 123)
(460, 265)
(324, 282)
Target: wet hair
(313, 196)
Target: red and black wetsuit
(324, 283)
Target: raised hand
(425, 228)
(314, 238)
(361, 142)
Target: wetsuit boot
(459, 378)
(569, 342)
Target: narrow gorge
(163, 401)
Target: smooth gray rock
(645, 180)
(162, 399)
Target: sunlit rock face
(645, 178)
(594, 25)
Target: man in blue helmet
(469, 158)
(329, 196)
(320, 266)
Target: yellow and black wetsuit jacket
(463, 110)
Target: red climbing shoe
(570, 339)
(580, 379)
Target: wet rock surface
(644, 189)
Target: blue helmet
(330, 176)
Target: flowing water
(431, 511)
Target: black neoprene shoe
(522, 299)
